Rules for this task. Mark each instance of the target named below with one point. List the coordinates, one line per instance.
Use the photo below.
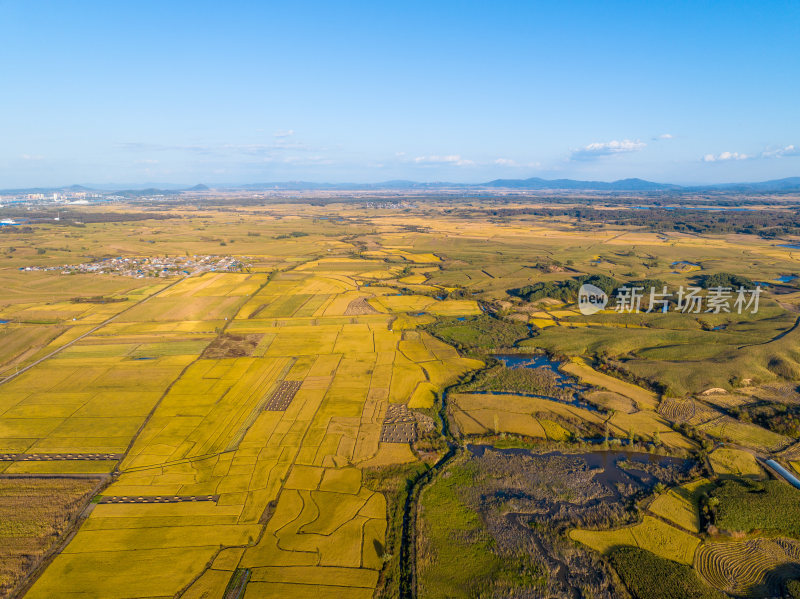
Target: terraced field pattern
(752, 568)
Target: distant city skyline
(243, 92)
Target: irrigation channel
(604, 461)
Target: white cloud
(665, 136)
(452, 159)
(31, 157)
(608, 148)
(303, 160)
(281, 144)
(786, 151)
(505, 162)
(725, 156)
(781, 152)
(286, 133)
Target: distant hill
(571, 184)
(789, 184)
(537, 183)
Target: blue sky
(229, 92)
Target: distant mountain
(571, 184)
(789, 184)
(532, 183)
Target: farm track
(89, 332)
(186, 368)
(237, 591)
(105, 478)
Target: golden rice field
(680, 505)
(735, 462)
(332, 307)
(651, 534)
(189, 426)
(477, 414)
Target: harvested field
(399, 425)
(232, 346)
(34, 515)
(643, 398)
(479, 413)
(358, 307)
(283, 395)
(792, 452)
(217, 495)
(677, 410)
(745, 433)
(157, 498)
(752, 568)
(56, 457)
(779, 393)
(648, 576)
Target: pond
(791, 246)
(540, 361)
(563, 381)
(786, 278)
(686, 262)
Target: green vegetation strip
(648, 576)
(744, 505)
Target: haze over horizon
(452, 91)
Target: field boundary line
(24, 585)
(149, 416)
(89, 332)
